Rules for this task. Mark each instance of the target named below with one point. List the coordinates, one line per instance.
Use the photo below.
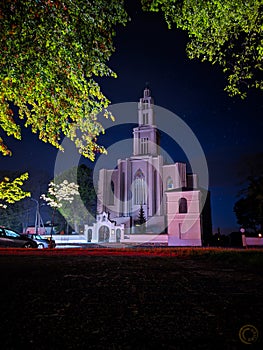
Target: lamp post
(244, 242)
(38, 219)
(52, 223)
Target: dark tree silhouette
(249, 208)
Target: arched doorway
(104, 234)
(118, 235)
(89, 235)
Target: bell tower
(146, 135)
(145, 109)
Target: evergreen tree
(142, 219)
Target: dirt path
(127, 302)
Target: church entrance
(104, 234)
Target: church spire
(147, 95)
(147, 91)
(145, 108)
(146, 136)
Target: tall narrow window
(169, 183)
(182, 205)
(145, 118)
(111, 193)
(144, 145)
(155, 205)
(139, 188)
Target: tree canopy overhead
(51, 51)
(224, 32)
(11, 191)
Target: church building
(145, 199)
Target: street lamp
(38, 219)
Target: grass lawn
(154, 298)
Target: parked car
(11, 238)
(42, 242)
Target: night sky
(228, 129)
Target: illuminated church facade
(145, 200)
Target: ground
(149, 299)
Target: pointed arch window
(139, 188)
(169, 183)
(182, 205)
